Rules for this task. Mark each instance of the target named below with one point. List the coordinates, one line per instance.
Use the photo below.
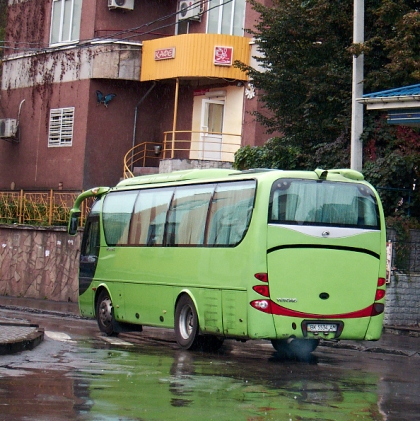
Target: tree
(306, 56)
(305, 85)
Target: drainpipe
(135, 121)
(175, 117)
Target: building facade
(83, 82)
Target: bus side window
(149, 217)
(156, 227)
(117, 211)
(90, 244)
(187, 215)
(230, 213)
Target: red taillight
(377, 308)
(381, 282)
(380, 293)
(262, 290)
(262, 305)
(263, 277)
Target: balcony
(102, 59)
(195, 56)
(183, 145)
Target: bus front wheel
(292, 348)
(104, 314)
(186, 324)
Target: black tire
(104, 313)
(186, 324)
(292, 348)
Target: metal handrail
(182, 144)
(229, 143)
(145, 151)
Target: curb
(403, 330)
(20, 337)
(42, 311)
(373, 349)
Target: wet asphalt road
(77, 374)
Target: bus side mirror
(73, 223)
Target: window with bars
(61, 127)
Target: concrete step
(145, 170)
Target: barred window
(61, 127)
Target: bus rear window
(313, 202)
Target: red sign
(200, 92)
(223, 56)
(165, 53)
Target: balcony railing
(183, 144)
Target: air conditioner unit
(190, 10)
(8, 127)
(121, 4)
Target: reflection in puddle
(142, 384)
(192, 386)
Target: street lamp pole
(356, 157)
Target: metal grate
(61, 127)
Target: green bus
(287, 256)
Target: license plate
(321, 327)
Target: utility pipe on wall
(175, 117)
(135, 121)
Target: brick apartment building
(83, 81)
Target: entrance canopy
(402, 104)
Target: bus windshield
(315, 202)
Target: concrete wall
(169, 165)
(402, 306)
(39, 262)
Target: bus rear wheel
(292, 348)
(104, 313)
(186, 324)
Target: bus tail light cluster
(264, 290)
(262, 305)
(270, 307)
(378, 308)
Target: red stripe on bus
(278, 310)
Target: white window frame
(73, 33)
(60, 133)
(218, 8)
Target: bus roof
(218, 173)
(184, 175)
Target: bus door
(324, 246)
(89, 251)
